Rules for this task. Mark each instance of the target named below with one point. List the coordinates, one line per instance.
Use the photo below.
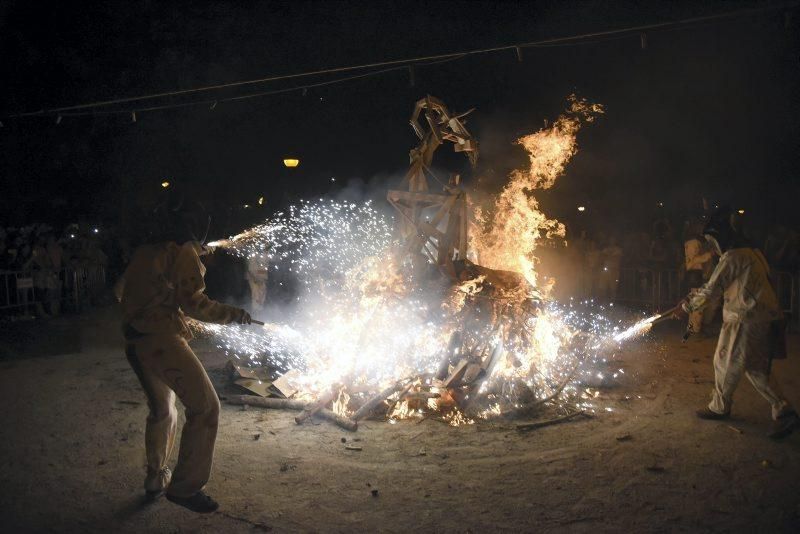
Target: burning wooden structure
(434, 225)
(493, 305)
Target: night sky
(711, 110)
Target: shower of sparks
(360, 320)
(315, 239)
(638, 329)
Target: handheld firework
(640, 327)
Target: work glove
(243, 317)
(681, 310)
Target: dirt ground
(72, 454)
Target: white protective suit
(742, 278)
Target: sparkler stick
(665, 315)
(256, 321)
(644, 325)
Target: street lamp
(291, 162)
(581, 208)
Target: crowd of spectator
(641, 252)
(650, 263)
(34, 261)
(647, 264)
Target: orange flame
(507, 237)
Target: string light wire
(384, 67)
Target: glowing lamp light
(260, 201)
(581, 208)
(741, 212)
(165, 184)
(95, 230)
(291, 162)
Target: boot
(705, 413)
(200, 502)
(784, 425)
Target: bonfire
(433, 313)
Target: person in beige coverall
(750, 308)
(163, 284)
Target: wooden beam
(395, 195)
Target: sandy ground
(73, 459)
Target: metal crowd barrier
(658, 289)
(75, 288)
(654, 289)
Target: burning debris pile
(423, 320)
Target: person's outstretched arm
(713, 289)
(190, 292)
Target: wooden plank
(282, 384)
(373, 402)
(313, 407)
(259, 387)
(464, 237)
(290, 404)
